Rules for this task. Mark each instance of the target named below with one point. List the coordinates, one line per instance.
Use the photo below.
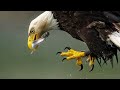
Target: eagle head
(40, 26)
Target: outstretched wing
(113, 16)
(111, 30)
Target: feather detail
(115, 38)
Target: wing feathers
(115, 38)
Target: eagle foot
(78, 55)
(72, 54)
(91, 62)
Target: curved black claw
(63, 59)
(67, 48)
(92, 67)
(81, 67)
(58, 53)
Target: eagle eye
(32, 31)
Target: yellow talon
(72, 54)
(71, 57)
(79, 62)
(88, 59)
(91, 62)
(66, 54)
(71, 50)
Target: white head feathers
(44, 22)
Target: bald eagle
(100, 30)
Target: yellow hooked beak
(31, 39)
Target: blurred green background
(16, 62)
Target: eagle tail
(115, 38)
